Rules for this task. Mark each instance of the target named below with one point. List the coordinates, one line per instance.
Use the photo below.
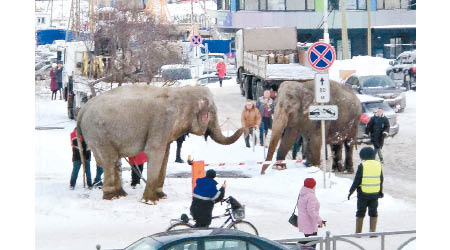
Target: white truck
(265, 57)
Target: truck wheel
(239, 76)
(259, 88)
(254, 88)
(248, 87)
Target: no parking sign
(321, 56)
(196, 40)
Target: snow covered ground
(80, 219)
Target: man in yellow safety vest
(369, 184)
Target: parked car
(379, 86)
(369, 106)
(205, 239)
(211, 63)
(42, 68)
(403, 69)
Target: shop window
(310, 4)
(251, 4)
(275, 5)
(355, 4)
(391, 4)
(241, 5)
(295, 4)
(263, 4)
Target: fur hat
(310, 183)
(367, 153)
(211, 173)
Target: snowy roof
(369, 98)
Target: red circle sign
(196, 40)
(321, 56)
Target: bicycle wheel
(179, 225)
(243, 226)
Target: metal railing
(329, 242)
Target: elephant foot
(109, 195)
(264, 167)
(161, 195)
(337, 167)
(349, 170)
(150, 194)
(281, 166)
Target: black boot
(247, 143)
(179, 160)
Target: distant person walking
(250, 120)
(369, 184)
(221, 70)
(76, 159)
(378, 129)
(137, 162)
(308, 219)
(180, 141)
(59, 77)
(53, 80)
(265, 106)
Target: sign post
(321, 56)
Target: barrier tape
(251, 163)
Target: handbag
(293, 219)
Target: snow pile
(364, 65)
(80, 219)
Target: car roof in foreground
(191, 233)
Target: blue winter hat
(367, 153)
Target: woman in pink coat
(137, 162)
(53, 82)
(221, 71)
(308, 210)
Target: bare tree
(137, 43)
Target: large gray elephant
(131, 119)
(291, 120)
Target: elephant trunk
(216, 133)
(277, 128)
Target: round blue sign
(321, 56)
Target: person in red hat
(308, 219)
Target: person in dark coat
(204, 198)
(76, 159)
(265, 106)
(369, 185)
(378, 128)
(59, 77)
(98, 177)
(53, 81)
(180, 141)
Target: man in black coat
(204, 198)
(378, 128)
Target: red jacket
(138, 159)
(221, 69)
(53, 83)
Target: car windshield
(176, 74)
(371, 107)
(376, 82)
(147, 243)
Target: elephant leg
(112, 184)
(349, 155)
(337, 157)
(277, 128)
(288, 139)
(314, 147)
(162, 175)
(155, 158)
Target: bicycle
(234, 211)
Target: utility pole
(369, 29)
(344, 33)
(326, 36)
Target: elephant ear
(307, 100)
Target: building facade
(393, 22)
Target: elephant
(131, 119)
(291, 120)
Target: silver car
(379, 86)
(369, 106)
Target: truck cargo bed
(291, 71)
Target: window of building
(355, 4)
(251, 4)
(295, 5)
(275, 5)
(263, 4)
(241, 5)
(310, 4)
(391, 4)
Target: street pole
(326, 36)
(369, 30)
(344, 33)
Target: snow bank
(364, 65)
